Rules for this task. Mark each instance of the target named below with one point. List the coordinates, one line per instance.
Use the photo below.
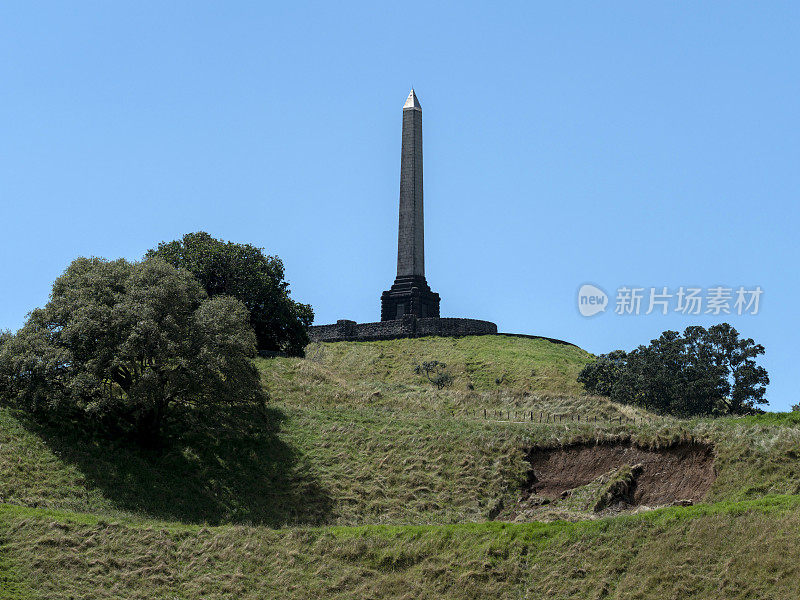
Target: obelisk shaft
(410, 297)
(411, 233)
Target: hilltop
(361, 479)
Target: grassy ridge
(362, 481)
(490, 365)
(520, 363)
(729, 550)
(490, 372)
(318, 466)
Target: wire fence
(533, 416)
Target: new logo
(591, 300)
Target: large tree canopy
(246, 273)
(703, 371)
(125, 343)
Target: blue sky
(640, 144)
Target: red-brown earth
(683, 471)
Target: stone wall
(408, 326)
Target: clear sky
(642, 144)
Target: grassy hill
(729, 551)
(486, 362)
(361, 480)
(489, 372)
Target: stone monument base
(406, 327)
(410, 295)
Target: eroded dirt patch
(681, 472)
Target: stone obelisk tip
(412, 102)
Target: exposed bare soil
(681, 472)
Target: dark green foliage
(5, 337)
(746, 382)
(124, 344)
(443, 380)
(667, 377)
(599, 376)
(703, 371)
(246, 273)
(435, 372)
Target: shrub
(124, 344)
(435, 372)
(703, 371)
(246, 273)
(598, 377)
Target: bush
(246, 273)
(599, 376)
(703, 371)
(435, 372)
(124, 344)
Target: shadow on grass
(227, 466)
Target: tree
(703, 371)
(745, 381)
(436, 374)
(246, 273)
(124, 344)
(660, 377)
(5, 337)
(705, 379)
(599, 376)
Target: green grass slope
(362, 480)
(351, 467)
(520, 363)
(490, 372)
(726, 552)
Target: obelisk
(410, 294)
(411, 234)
